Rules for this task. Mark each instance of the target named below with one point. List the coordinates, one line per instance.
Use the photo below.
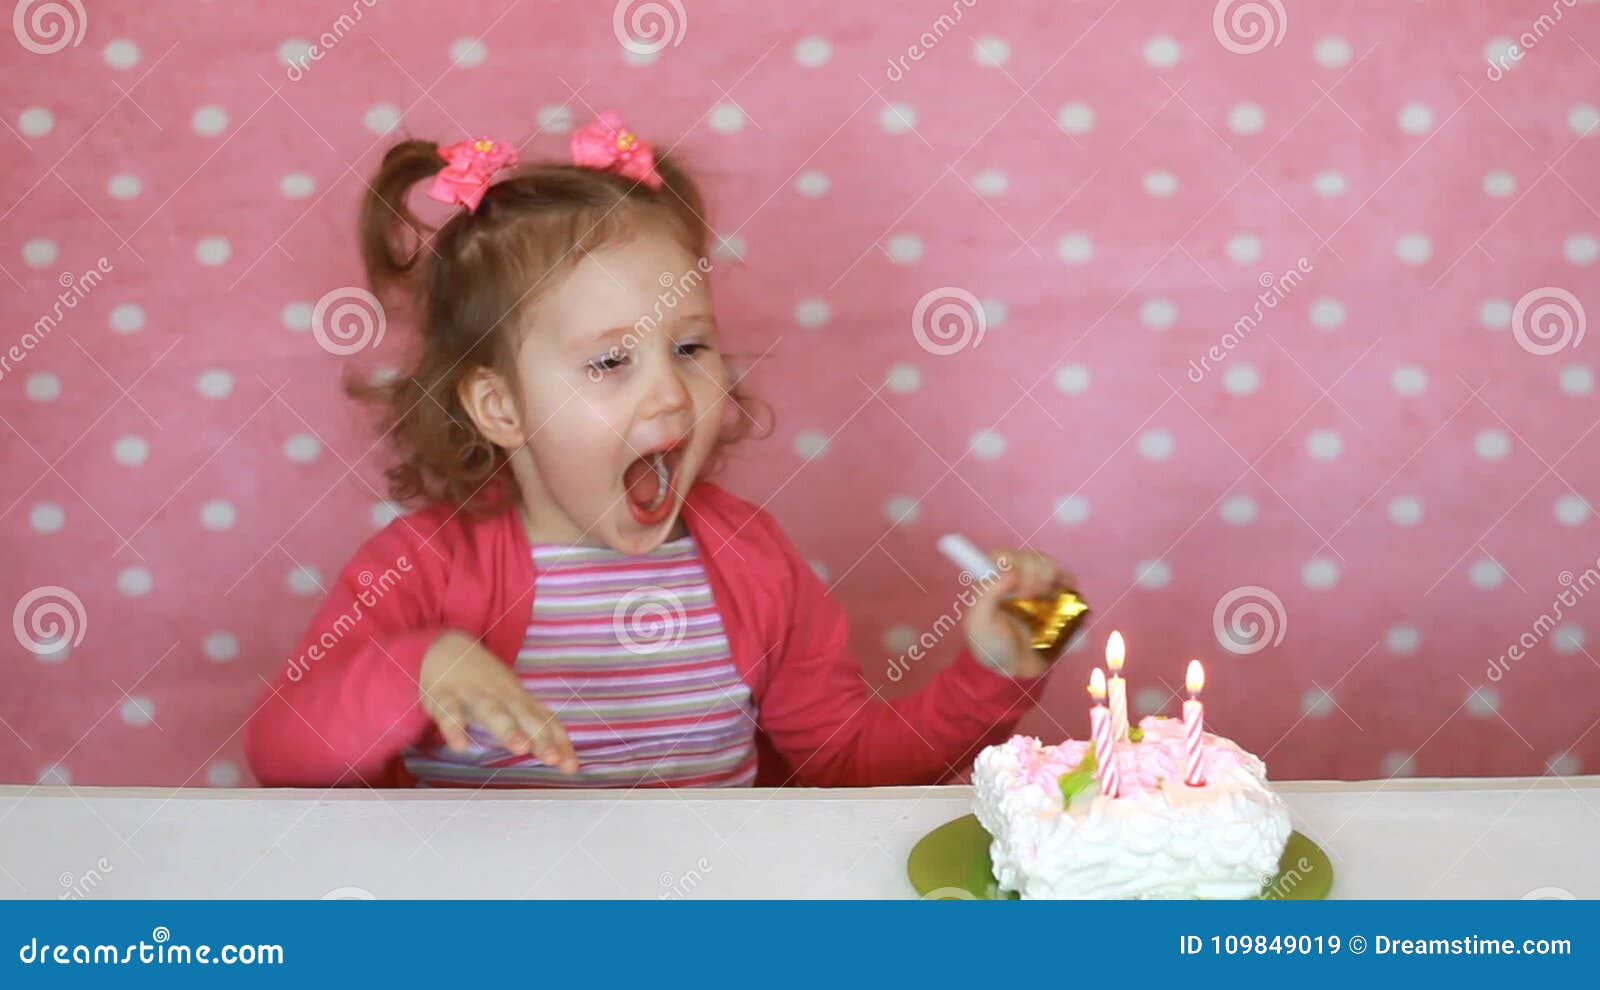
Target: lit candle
(1116, 652)
(1100, 731)
(1193, 726)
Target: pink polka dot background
(994, 260)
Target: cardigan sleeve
(346, 702)
(833, 729)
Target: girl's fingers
(549, 740)
(493, 715)
(450, 715)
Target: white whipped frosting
(1161, 838)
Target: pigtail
(392, 237)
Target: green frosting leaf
(1076, 780)
(1135, 734)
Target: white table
(1501, 838)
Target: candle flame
(1196, 677)
(1097, 684)
(1116, 652)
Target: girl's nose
(668, 393)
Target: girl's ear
(489, 400)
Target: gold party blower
(1051, 618)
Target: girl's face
(620, 397)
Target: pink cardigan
(347, 704)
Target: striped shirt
(630, 654)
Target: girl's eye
(690, 350)
(606, 364)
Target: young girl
(577, 605)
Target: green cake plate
(952, 863)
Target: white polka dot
(1498, 52)
(812, 184)
(1071, 510)
(302, 448)
(902, 510)
(1416, 118)
(986, 445)
(1329, 184)
(124, 186)
(1160, 183)
(730, 247)
(305, 580)
(294, 51)
(1413, 249)
(994, 311)
(127, 318)
(213, 251)
(220, 647)
(1564, 764)
(1499, 183)
(1485, 574)
(1577, 379)
(1075, 118)
(1152, 574)
(990, 182)
(40, 252)
(810, 443)
(138, 710)
(1156, 445)
(131, 450)
(1495, 314)
(1332, 52)
(381, 118)
(1571, 510)
(1584, 120)
(1409, 379)
(384, 375)
(639, 58)
(297, 316)
(1150, 700)
(1247, 118)
(218, 515)
(555, 118)
(1567, 638)
(54, 775)
(1162, 52)
(1316, 702)
(903, 378)
(222, 774)
(468, 53)
(1158, 314)
(1324, 445)
(899, 638)
(386, 511)
(1075, 249)
(990, 52)
(1327, 313)
(1244, 249)
(43, 386)
(47, 517)
(1405, 510)
(134, 581)
(1241, 379)
(35, 122)
(905, 249)
(1492, 444)
(209, 121)
(727, 119)
(1072, 379)
(1399, 764)
(1483, 702)
(1581, 249)
(1402, 639)
(1238, 510)
(214, 383)
(121, 54)
(897, 118)
(813, 52)
(1320, 574)
(811, 312)
(297, 185)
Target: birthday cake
(1157, 834)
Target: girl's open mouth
(649, 484)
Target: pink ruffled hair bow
(605, 143)
(469, 167)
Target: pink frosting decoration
(469, 167)
(606, 143)
(1143, 764)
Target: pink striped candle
(1105, 753)
(1194, 727)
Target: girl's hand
(999, 638)
(464, 684)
